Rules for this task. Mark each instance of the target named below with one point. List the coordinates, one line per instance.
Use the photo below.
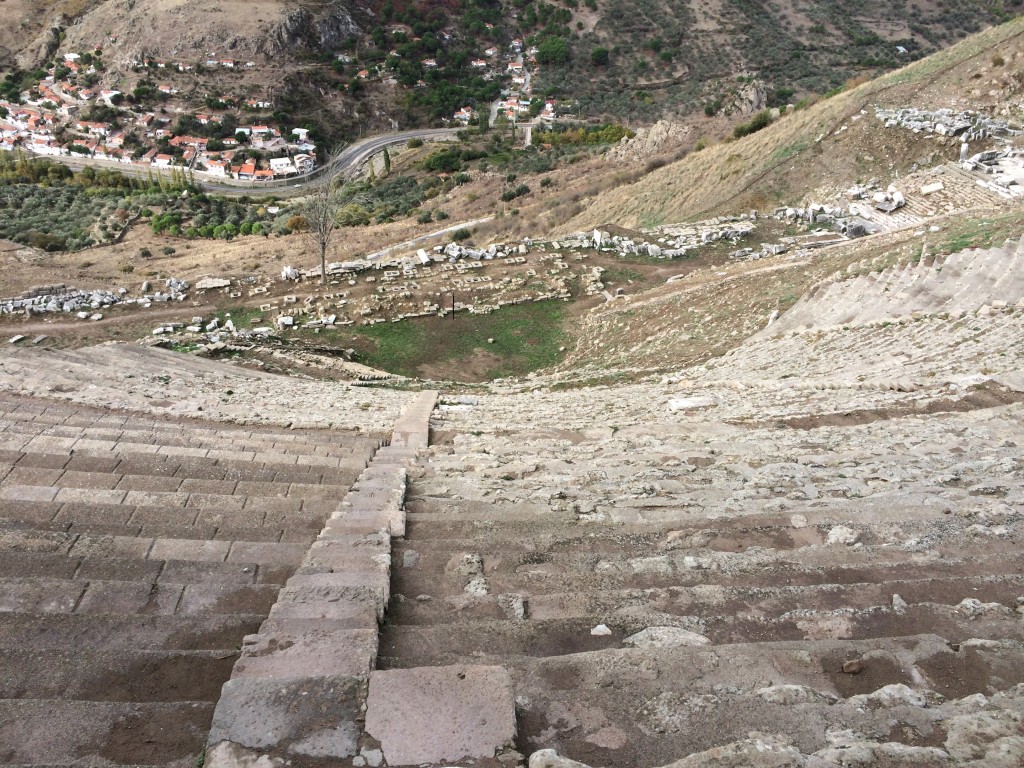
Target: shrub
(461, 234)
(758, 122)
(512, 194)
(297, 224)
(414, 143)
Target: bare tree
(321, 210)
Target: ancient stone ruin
(805, 552)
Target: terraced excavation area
(804, 552)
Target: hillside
(585, 448)
(828, 146)
(630, 61)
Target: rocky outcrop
(301, 28)
(650, 142)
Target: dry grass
(796, 153)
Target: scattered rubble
(60, 298)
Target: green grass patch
(791, 150)
(526, 338)
(619, 275)
(652, 220)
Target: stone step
(457, 519)
(113, 675)
(164, 597)
(81, 522)
(431, 645)
(342, 447)
(57, 566)
(111, 479)
(202, 508)
(56, 413)
(443, 573)
(604, 606)
(649, 707)
(245, 553)
(127, 632)
(180, 467)
(237, 453)
(119, 733)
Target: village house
(162, 161)
(97, 129)
(491, 52)
(270, 144)
(167, 89)
(189, 141)
(464, 115)
(429, 63)
(479, 63)
(44, 146)
(217, 168)
(254, 130)
(304, 163)
(282, 166)
(245, 172)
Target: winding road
(348, 163)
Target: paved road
(354, 155)
(350, 161)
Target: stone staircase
(299, 690)
(135, 556)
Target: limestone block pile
(60, 298)
(966, 124)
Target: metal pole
(453, 305)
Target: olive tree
(320, 210)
